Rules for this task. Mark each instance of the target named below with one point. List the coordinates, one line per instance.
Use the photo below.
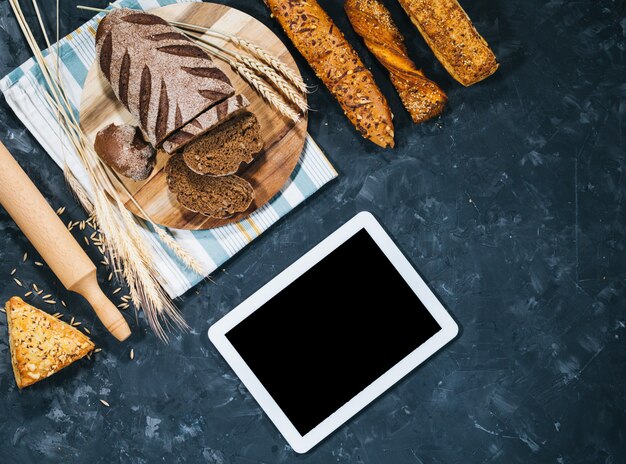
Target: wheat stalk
(271, 60)
(77, 189)
(126, 247)
(270, 74)
(253, 49)
(182, 254)
(267, 92)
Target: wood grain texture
(283, 140)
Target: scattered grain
(37, 263)
(105, 403)
(18, 282)
(25, 257)
(27, 294)
(132, 353)
(13, 271)
(50, 301)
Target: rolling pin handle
(111, 318)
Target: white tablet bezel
(300, 443)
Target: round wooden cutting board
(283, 139)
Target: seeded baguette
(422, 98)
(338, 65)
(454, 40)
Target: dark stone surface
(512, 207)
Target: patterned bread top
(158, 74)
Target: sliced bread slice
(206, 121)
(216, 197)
(221, 151)
(41, 345)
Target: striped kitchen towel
(24, 88)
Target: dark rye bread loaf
(159, 75)
(221, 151)
(206, 121)
(216, 197)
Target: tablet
(333, 331)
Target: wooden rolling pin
(43, 227)
(422, 98)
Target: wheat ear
(269, 94)
(126, 248)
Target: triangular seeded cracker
(41, 344)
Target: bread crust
(454, 40)
(41, 344)
(422, 98)
(338, 65)
(157, 73)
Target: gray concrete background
(512, 207)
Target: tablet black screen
(344, 323)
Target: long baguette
(372, 21)
(454, 40)
(338, 65)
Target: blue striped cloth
(24, 91)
